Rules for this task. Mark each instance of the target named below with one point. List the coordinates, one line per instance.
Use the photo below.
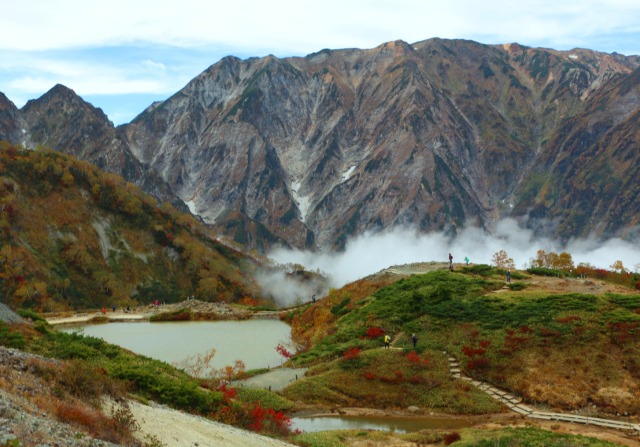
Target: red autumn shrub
(374, 332)
(450, 438)
(568, 319)
(416, 380)
(479, 363)
(268, 420)
(547, 332)
(283, 351)
(351, 354)
(414, 358)
(228, 393)
(472, 352)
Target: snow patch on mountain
(303, 202)
(347, 174)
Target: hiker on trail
(414, 340)
(466, 260)
(508, 275)
(450, 259)
(387, 341)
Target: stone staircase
(515, 404)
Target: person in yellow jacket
(387, 341)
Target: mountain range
(307, 152)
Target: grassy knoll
(567, 350)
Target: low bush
(11, 338)
(480, 270)
(450, 438)
(265, 398)
(544, 271)
(177, 315)
(31, 315)
(341, 308)
(85, 381)
(515, 286)
(179, 392)
(118, 428)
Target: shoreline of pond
(190, 310)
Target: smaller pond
(384, 423)
(252, 341)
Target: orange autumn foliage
(317, 321)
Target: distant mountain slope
(588, 179)
(309, 151)
(74, 237)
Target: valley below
(492, 419)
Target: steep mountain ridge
(309, 151)
(61, 119)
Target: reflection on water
(252, 341)
(395, 424)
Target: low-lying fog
(370, 253)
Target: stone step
(541, 416)
(520, 410)
(526, 408)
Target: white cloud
(304, 26)
(99, 47)
(371, 253)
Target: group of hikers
(387, 340)
(466, 261)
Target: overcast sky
(122, 55)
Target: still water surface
(395, 424)
(252, 341)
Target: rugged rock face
(309, 151)
(62, 120)
(587, 178)
(9, 120)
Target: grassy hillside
(73, 237)
(567, 343)
(87, 370)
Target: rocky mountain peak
(310, 151)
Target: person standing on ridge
(414, 340)
(387, 341)
(450, 259)
(508, 276)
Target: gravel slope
(176, 429)
(9, 316)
